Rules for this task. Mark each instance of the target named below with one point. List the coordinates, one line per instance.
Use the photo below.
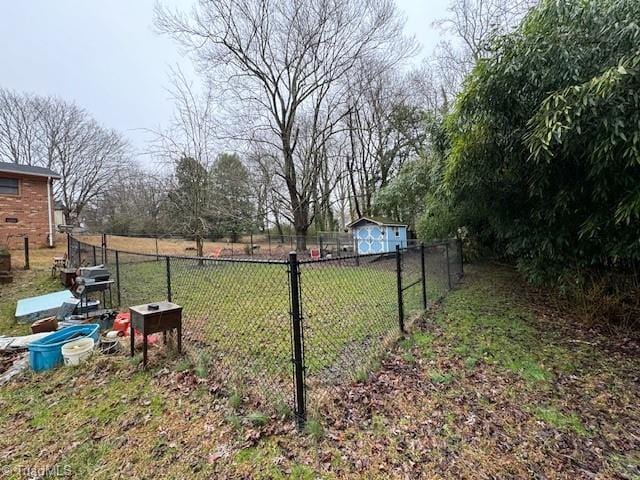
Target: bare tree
(50, 132)
(86, 155)
(384, 126)
(136, 202)
(476, 22)
(473, 24)
(19, 135)
(280, 57)
(191, 129)
(272, 185)
(187, 146)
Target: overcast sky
(106, 57)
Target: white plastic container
(74, 353)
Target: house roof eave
(28, 170)
(379, 222)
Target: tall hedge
(543, 158)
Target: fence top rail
(177, 236)
(343, 257)
(263, 261)
(186, 257)
(370, 255)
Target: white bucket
(77, 351)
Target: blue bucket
(46, 353)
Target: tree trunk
(301, 238)
(301, 225)
(299, 205)
(199, 249)
(280, 233)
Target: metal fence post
(104, 248)
(79, 254)
(424, 277)
(26, 253)
(117, 278)
(95, 259)
(399, 283)
(448, 266)
(461, 257)
(169, 296)
(298, 347)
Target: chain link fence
(285, 332)
(264, 246)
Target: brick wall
(30, 208)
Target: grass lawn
(241, 311)
(237, 314)
(27, 283)
(494, 384)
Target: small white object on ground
(77, 351)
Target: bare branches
(477, 22)
(284, 64)
(50, 132)
(385, 127)
(192, 129)
(19, 137)
(473, 24)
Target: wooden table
(167, 317)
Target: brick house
(26, 205)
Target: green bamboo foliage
(542, 159)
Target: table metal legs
(144, 350)
(131, 337)
(145, 342)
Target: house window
(397, 232)
(9, 186)
(11, 220)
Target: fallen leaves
(403, 422)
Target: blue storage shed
(376, 235)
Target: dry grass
(171, 246)
(27, 283)
(40, 258)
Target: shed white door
(370, 239)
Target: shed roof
(28, 170)
(383, 222)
